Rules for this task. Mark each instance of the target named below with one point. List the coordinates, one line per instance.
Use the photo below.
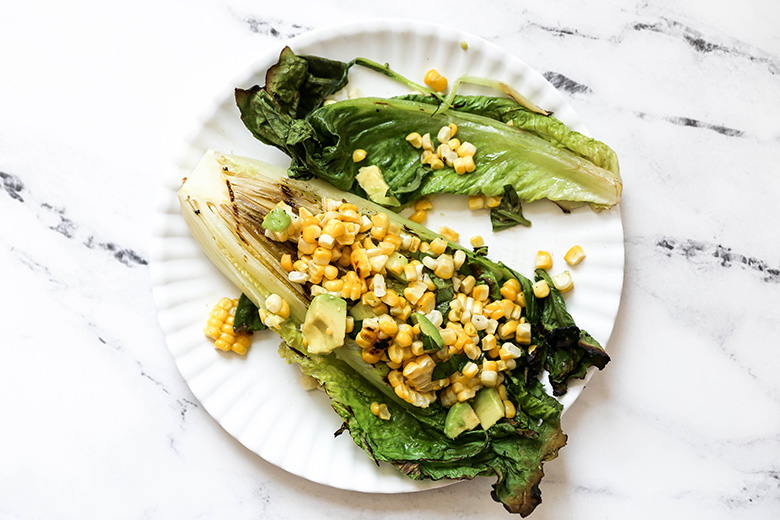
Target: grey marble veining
(96, 100)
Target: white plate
(258, 399)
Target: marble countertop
(98, 422)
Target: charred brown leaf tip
(289, 195)
(370, 451)
(272, 70)
(234, 206)
(409, 468)
(344, 427)
(529, 504)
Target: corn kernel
(488, 342)
(458, 258)
(403, 338)
(468, 162)
(415, 139)
(427, 144)
(438, 246)
(543, 260)
(395, 353)
(358, 155)
(335, 228)
(222, 345)
(513, 283)
(509, 409)
(427, 303)
(436, 163)
(476, 201)
(444, 135)
(306, 248)
(344, 260)
(331, 272)
(575, 255)
(509, 292)
(523, 334)
(322, 256)
(424, 204)
(387, 325)
(286, 262)
(563, 281)
(511, 351)
(380, 220)
(393, 238)
(504, 354)
(435, 80)
(467, 285)
(333, 285)
(470, 369)
(541, 289)
(449, 336)
(311, 233)
(493, 202)
(445, 267)
(426, 156)
(481, 292)
(508, 329)
(298, 277)
(413, 293)
(459, 165)
(419, 216)
(466, 149)
(477, 241)
(371, 356)
(489, 378)
(273, 303)
(375, 408)
(449, 234)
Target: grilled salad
(436, 358)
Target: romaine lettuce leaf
(538, 155)
(512, 452)
(571, 350)
(225, 201)
(509, 212)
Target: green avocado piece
(395, 266)
(325, 324)
(461, 418)
(431, 337)
(373, 183)
(277, 220)
(488, 407)
(360, 311)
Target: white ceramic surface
(258, 399)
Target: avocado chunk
(325, 324)
(359, 312)
(488, 407)
(277, 220)
(460, 418)
(431, 337)
(395, 266)
(373, 183)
